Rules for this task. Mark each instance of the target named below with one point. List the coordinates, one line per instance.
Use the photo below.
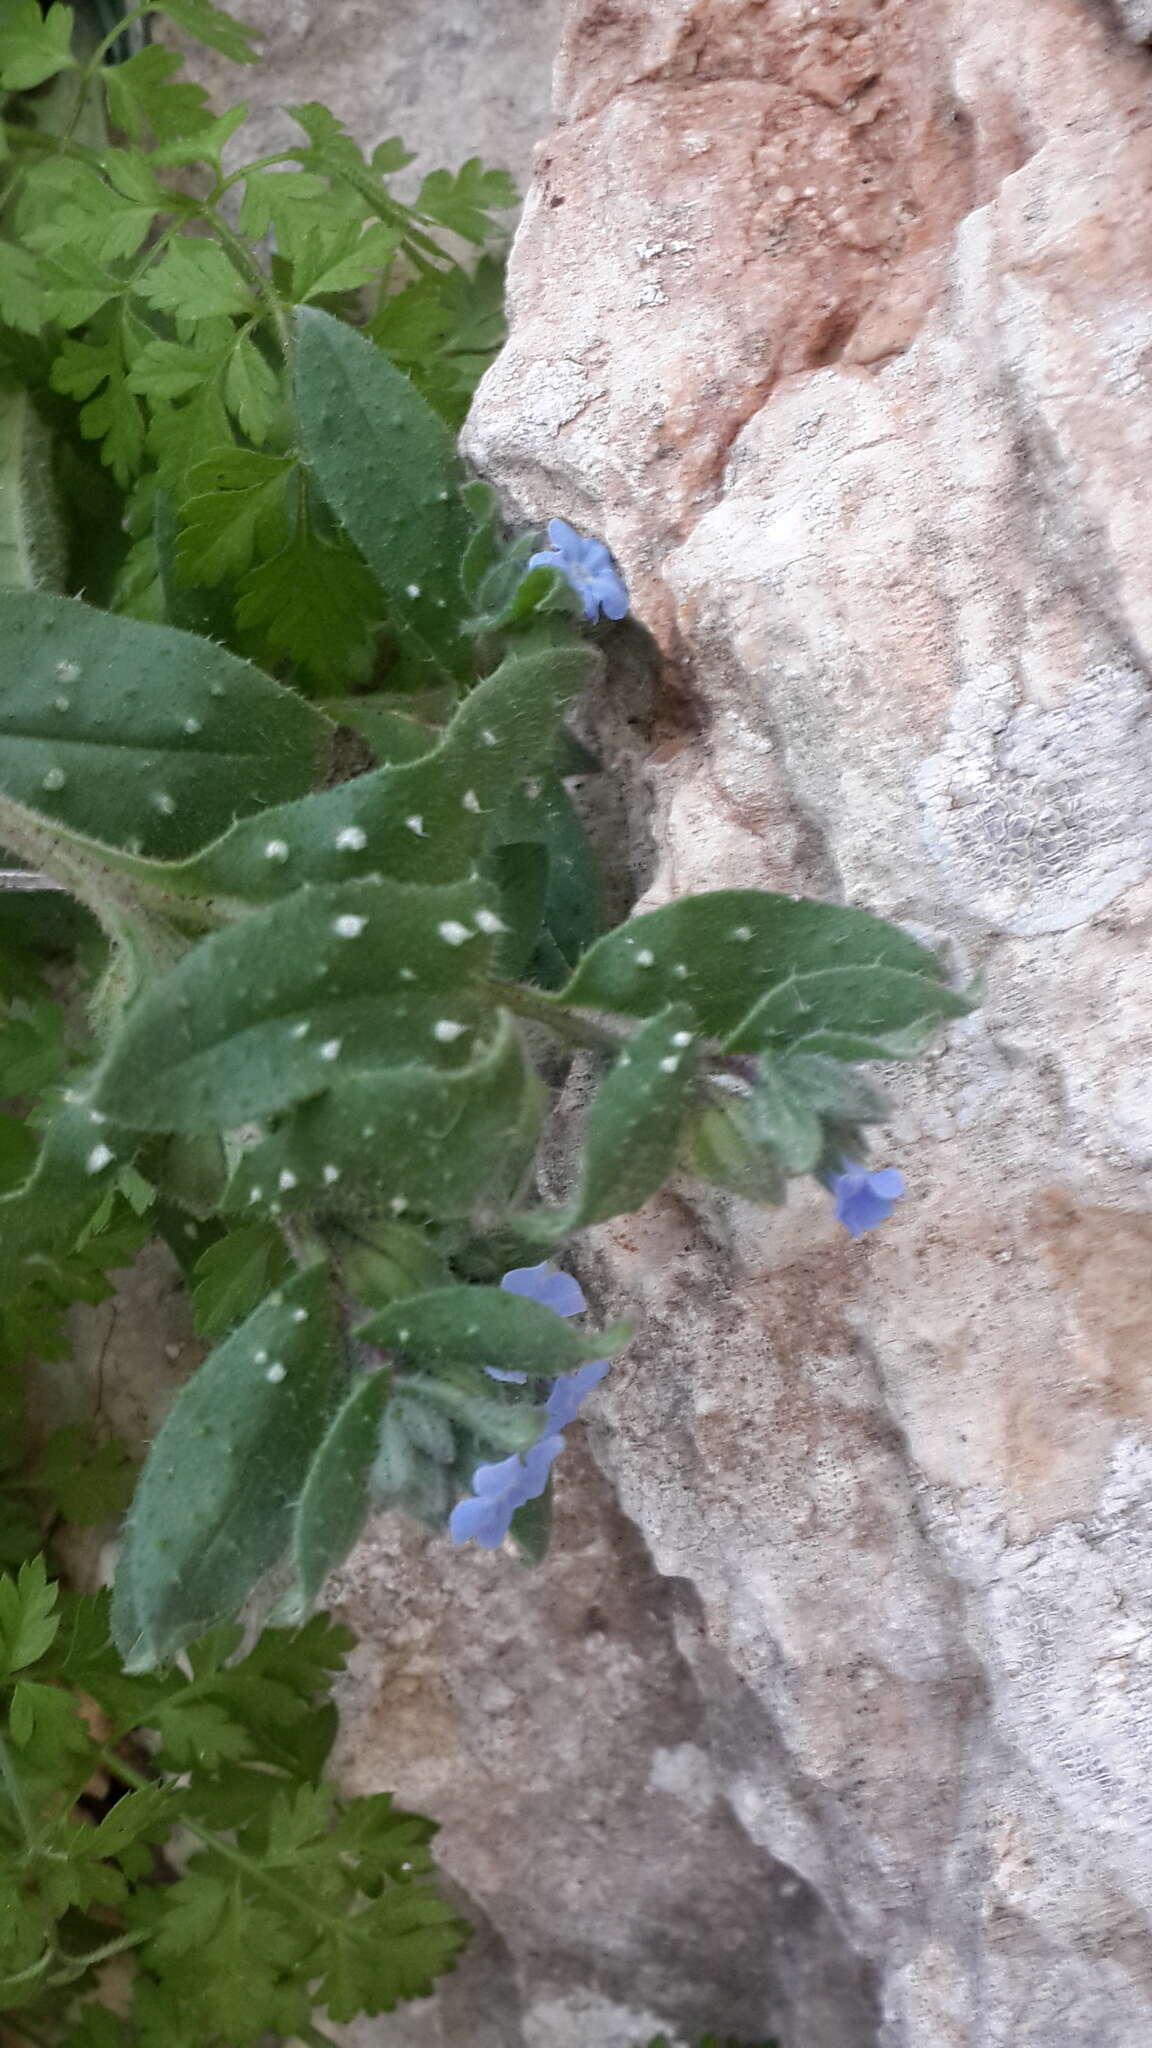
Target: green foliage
(343, 964)
(90, 743)
(214, 1505)
(292, 1899)
(165, 336)
(761, 971)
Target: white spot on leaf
(453, 932)
(276, 1373)
(351, 839)
(99, 1157)
(349, 926)
(330, 1050)
(276, 849)
(446, 1029)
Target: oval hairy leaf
(213, 1506)
(388, 467)
(721, 952)
(282, 1005)
(139, 735)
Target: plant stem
(272, 1885)
(94, 62)
(542, 1009)
(257, 278)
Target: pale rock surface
(835, 319)
(454, 78)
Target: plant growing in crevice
(336, 953)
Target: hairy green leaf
(425, 820)
(389, 470)
(414, 1137)
(32, 537)
(632, 1134)
(213, 1508)
(856, 1013)
(722, 952)
(334, 1501)
(136, 733)
(482, 1326)
(282, 1005)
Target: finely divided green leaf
(464, 201)
(33, 46)
(145, 104)
(211, 25)
(127, 732)
(234, 1275)
(213, 1508)
(28, 1621)
(278, 1007)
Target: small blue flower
(572, 1389)
(864, 1198)
(588, 566)
(500, 1489)
(557, 1291)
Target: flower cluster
(500, 1489)
(588, 566)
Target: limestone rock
(835, 319)
(454, 78)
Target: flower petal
(493, 1479)
(485, 1522)
(572, 1389)
(557, 1291)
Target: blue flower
(863, 1198)
(500, 1489)
(572, 1389)
(588, 566)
